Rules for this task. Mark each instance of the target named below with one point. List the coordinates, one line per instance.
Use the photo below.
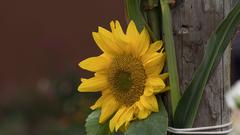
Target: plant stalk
(171, 54)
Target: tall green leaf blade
(93, 127)
(155, 124)
(171, 55)
(134, 13)
(188, 106)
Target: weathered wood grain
(193, 22)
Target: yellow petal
(133, 39)
(161, 90)
(105, 32)
(125, 117)
(112, 26)
(110, 49)
(83, 79)
(147, 57)
(139, 105)
(142, 114)
(99, 102)
(117, 30)
(156, 69)
(155, 82)
(109, 106)
(95, 63)
(149, 102)
(153, 71)
(132, 32)
(148, 91)
(158, 59)
(144, 42)
(120, 37)
(154, 47)
(93, 84)
(162, 62)
(106, 92)
(109, 39)
(164, 76)
(115, 118)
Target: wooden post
(193, 22)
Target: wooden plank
(193, 22)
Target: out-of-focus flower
(233, 96)
(233, 101)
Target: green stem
(171, 55)
(152, 8)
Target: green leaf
(93, 127)
(188, 106)
(171, 54)
(155, 124)
(152, 8)
(133, 12)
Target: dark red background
(45, 38)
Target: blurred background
(41, 45)
(235, 59)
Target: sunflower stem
(171, 54)
(151, 7)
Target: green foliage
(133, 12)
(219, 40)
(155, 124)
(171, 54)
(153, 16)
(93, 127)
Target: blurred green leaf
(155, 124)
(171, 54)
(93, 127)
(188, 106)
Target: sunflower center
(123, 80)
(127, 78)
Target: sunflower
(128, 74)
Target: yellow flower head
(127, 74)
